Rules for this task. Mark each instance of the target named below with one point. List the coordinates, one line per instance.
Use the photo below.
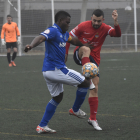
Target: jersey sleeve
(49, 33)
(2, 32)
(17, 30)
(77, 30)
(114, 32)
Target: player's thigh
(74, 78)
(8, 47)
(54, 88)
(14, 46)
(65, 76)
(84, 52)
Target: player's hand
(3, 42)
(18, 41)
(89, 45)
(27, 48)
(115, 15)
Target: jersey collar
(56, 26)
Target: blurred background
(34, 16)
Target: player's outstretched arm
(36, 41)
(75, 41)
(116, 32)
(115, 17)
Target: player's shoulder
(88, 22)
(50, 30)
(104, 25)
(83, 25)
(14, 23)
(5, 24)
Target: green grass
(24, 96)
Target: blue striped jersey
(54, 48)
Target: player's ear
(60, 20)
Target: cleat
(13, 63)
(80, 114)
(94, 123)
(10, 64)
(92, 86)
(44, 129)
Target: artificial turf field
(24, 96)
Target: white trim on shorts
(55, 80)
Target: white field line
(123, 68)
(10, 72)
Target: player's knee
(93, 93)
(58, 98)
(96, 88)
(8, 50)
(85, 84)
(15, 50)
(85, 49)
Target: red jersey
(87, 34)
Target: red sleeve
(77, 30)
(115, 32)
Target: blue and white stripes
(53, 102)
(76, 77)
(82, 89)
(44, 35)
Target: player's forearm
(18, 33)
(117, 31)
(67, 47)
(75, 41)
(37, 40)
(2, 34)
(116, 22)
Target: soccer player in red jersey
(93, 32)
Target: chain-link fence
(36, 16)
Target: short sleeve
(77, 30)
(109, 28)
(49, 33)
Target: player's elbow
(119, 34)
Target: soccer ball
(90, 70)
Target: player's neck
(9, 22)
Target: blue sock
(49, 112)
(80, 97)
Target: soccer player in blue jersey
(55, 71)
